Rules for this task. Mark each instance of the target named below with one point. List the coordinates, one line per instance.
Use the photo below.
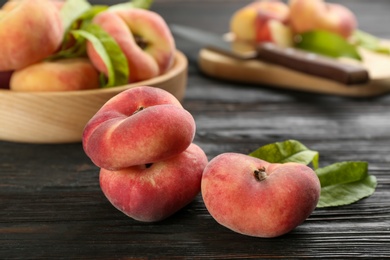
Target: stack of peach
(32, 32)
(278, 22)
(142, 141)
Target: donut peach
(139, 126)
(60, 75)
(30, 32)
(144, 38)
(153, 192)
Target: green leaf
(328, 44)
(72, 47)
(344, 183)
(342, 172)
(110, 53)
(143, 4)
(77, 49)
(87, 17)
(341, 183)
(347, 193)
(71, 10)
(369, 42)
(287, 151)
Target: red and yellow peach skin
(155, 191)
(11, 4)
(319, 15)
(138, 126)
(60, 75)
(255, 198)
(262, 21)
(29, 33)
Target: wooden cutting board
(257, 72)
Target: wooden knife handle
(313, 64)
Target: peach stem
(260, 174)
(141, 42)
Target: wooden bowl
(60, 117)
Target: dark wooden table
(51, 205)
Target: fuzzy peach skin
(153, 192)
(154, 54)
(11, 4)
(60, 75)
(262, 21)
(319, 15)
(29, 33)
(138, 126)
(256, 198)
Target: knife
(292, 58)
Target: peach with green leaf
(257, 198)
(312, 15)
(144, 38)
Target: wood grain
(51, 206)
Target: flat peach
(138, 126)
(153, 192)
(144, 38)
(61, 75)
(29, 33)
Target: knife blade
(292, 58)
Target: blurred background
(221, 10)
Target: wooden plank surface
(51, 206)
